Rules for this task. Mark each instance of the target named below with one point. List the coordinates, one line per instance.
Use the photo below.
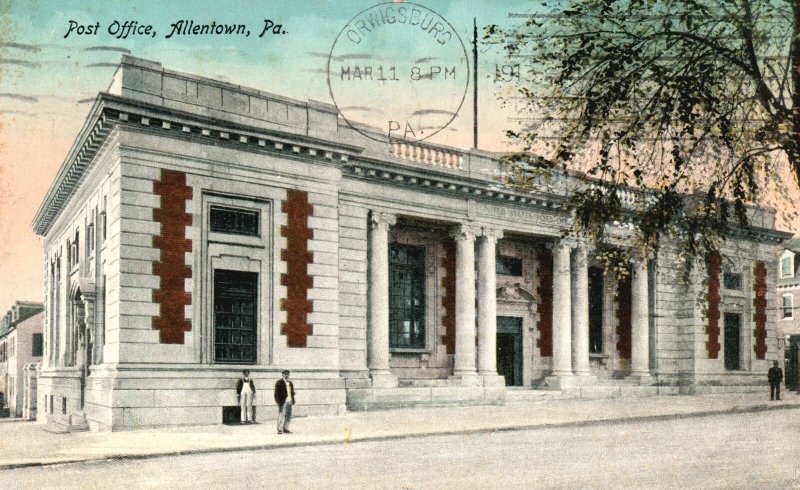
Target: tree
(671, 97)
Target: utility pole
(474, 83)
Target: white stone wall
(352, 288)
(59, 380)
(154, 383)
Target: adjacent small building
(788, 303)
(198, 228)
(21, 348)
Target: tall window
(786, 267)
(788, 305)
(235, 295)
(38, 345)
(596, 300)
(406, 296)
(76, 251)
(89, 240)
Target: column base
(493, 380)
(584, 379)
(640, 378)
(560, 381)
(383, 379)
(465, 379)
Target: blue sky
(47, 83)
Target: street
(758, 450)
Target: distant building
(21, 343)
(788, 307)
(198, 228)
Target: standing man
(775, 376)
(284, 397)
(245, 391)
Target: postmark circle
(398, 71)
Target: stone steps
(367, 399)
(422, 383)
(717, 389)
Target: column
(378, 284)
(640, 328)
(562, 315)
(465, 305)
(487, 309)
(580, 313)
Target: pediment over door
(516, 293)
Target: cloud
(86, 101)
(20, 97)
(25, 47)
(343, 57)
(360, 108)
(102, 65)
(108, 48)
(426, 112)
(25, 63)
(20, 113)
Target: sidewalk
(27, 444)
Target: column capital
(381, 220)
(491, 233)
(637, 257)
(465, 232)
(581, 256)
(560, 244)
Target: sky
(50, 75)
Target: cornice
(428, 180)
(440, 176)
(111, 111)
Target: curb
(416, 435)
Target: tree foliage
(672, 97)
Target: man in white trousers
(245, 392)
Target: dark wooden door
(732, 341)
(509, 349)
(235, 316)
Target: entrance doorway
(733, 326)
(792, 363)
(509, 349)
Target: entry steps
(442, 392)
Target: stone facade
(198, 228)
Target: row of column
(570, 308)
(469, 362)
(571, 315)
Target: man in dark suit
(775, 376)
(284, 397)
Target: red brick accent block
(449, 298)
(172, 296)
(296, 279)
(624, 317)
(760, 309)
(713, 299)
(545, 323)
